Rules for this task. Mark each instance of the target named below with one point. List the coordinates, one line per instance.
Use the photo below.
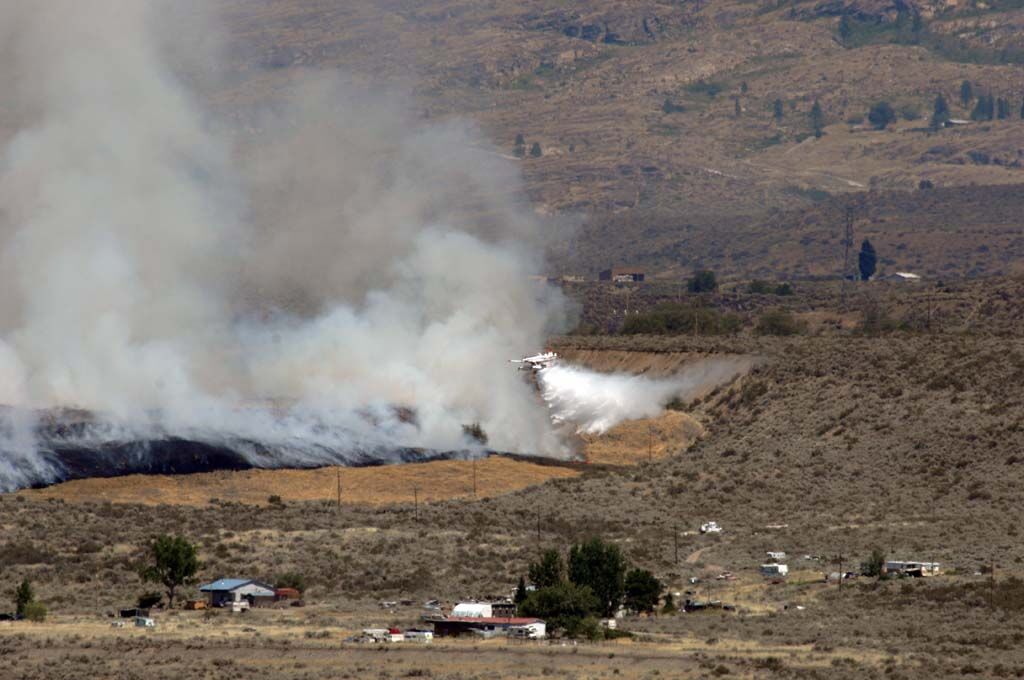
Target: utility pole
(675, 543)
(416, 502)
(474, 478)
(650, 443)
(339, 489)
(538, 528)
(992, 586)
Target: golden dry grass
(636, 441)
(436, 480)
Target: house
(774, 569)
(907, 568)
(489, 626)
(225, 591)
(622, 275)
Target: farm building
(484, 609)
(622, 275)
(912, 568)
(489, 626)
(228, 590)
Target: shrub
(671, 319)
(703, 281)
(291, 579)
(35, 611)
(778, 322)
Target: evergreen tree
(738, 110)
(940, 112)
(520, 140)
(535, 150)
(817, 119)
(867, 260)
(23, 597)
(1002, 108)
(966, 93)
(845, 29)
(520, 591)
(778, 111)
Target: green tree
(703, 281)
(173, 562)
(601, 567)
(845, 29)
(874, 564)
(881, 114)
(23, 597)
(984, 108)
(549, 571)
(777, 110)
(521, 593)
(817, 119)
(520, 146)
(867, 260)
(642, 590)
(940, 112)
(535, 150)
(784, 289)
(966, 93)
(563, 607)
(670, 604)
(1002, 108)
(291, 579)
(737, 109)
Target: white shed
(473, 610)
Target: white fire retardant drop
(595, 402)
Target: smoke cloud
(304, 273)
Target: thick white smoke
(593, 402)
(287, 273)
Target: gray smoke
(286, 273)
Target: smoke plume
(303, 273)
(593, 403)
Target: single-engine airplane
(536, 362)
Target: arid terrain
(675, 136)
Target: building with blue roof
(225, 591)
